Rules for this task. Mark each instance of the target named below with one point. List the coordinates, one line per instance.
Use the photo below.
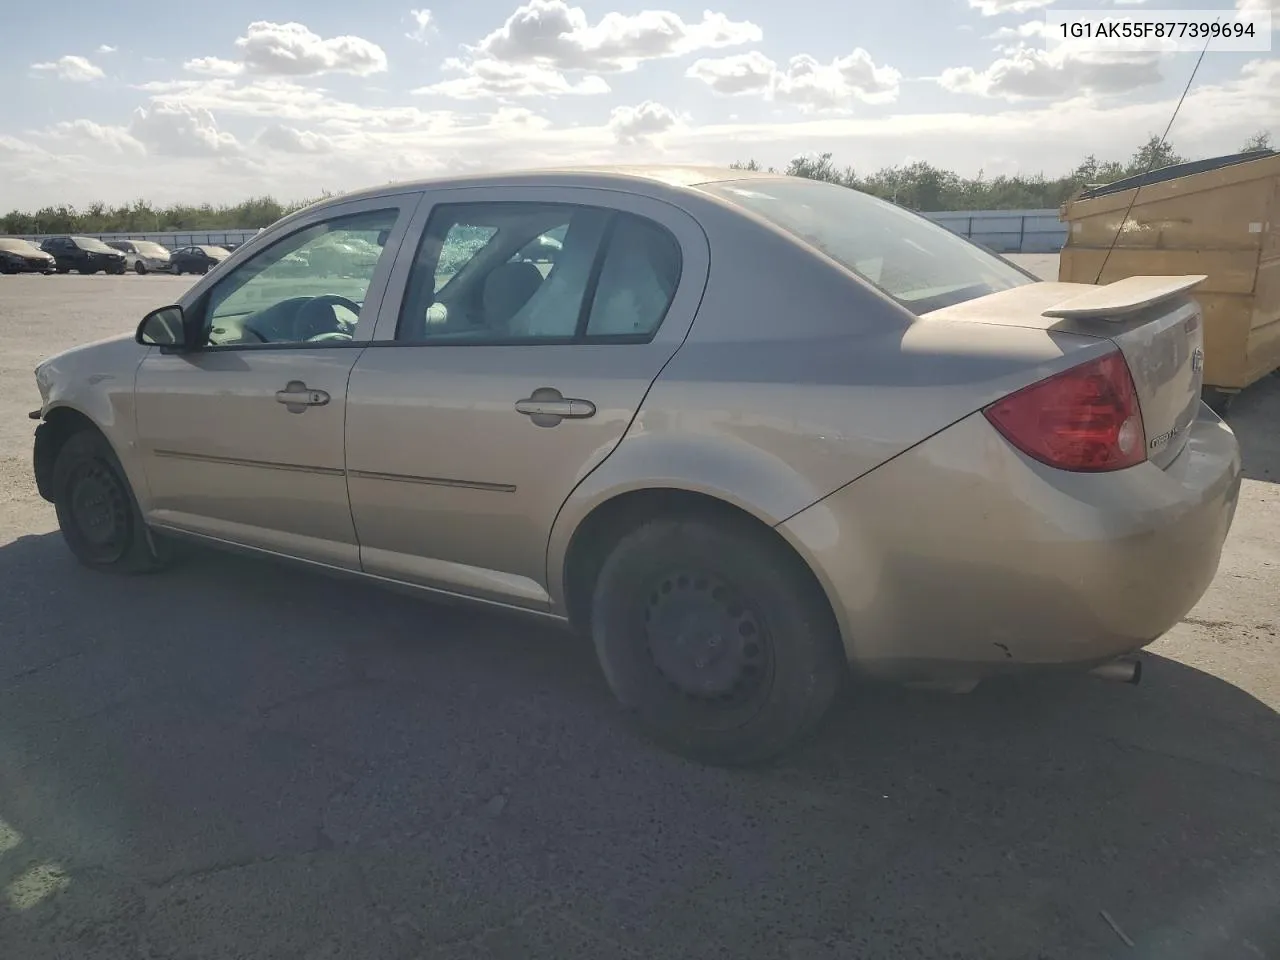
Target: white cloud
(285, 100)
(71, 67)
(292, 50)
(804, 81)
(499, 80)
(1032, 29)
(554, 34)
(97, 136)
(1262, 6)
(635, 124)
(1027, 73)
(214, 67)
(174, 128)
(107, 48)
(991, 8)
(423, 26)
(370, 145)
(292, 140)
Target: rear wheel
(716, 640)
(97, 512)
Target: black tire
(97, 512)
(140, 268)
(756, 660)
(177, 270)
(61, 269)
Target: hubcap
(705, 640)
(99, 509)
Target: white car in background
(143, 256)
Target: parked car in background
(23, 256)
(83, 254)
(197, 259)
(143, 256)
(744, 430)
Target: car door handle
(297, 396)
(547, 407)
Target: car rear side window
(919, 264)
(510, 272)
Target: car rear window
(908, 257)
(93, 244)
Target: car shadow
(1255, 416)
(234, 758)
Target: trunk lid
(1154, 322)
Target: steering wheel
(310, 321)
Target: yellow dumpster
(1219, 217)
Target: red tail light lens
(1085, 419)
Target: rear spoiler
(1123, 297)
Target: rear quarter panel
(797, 378)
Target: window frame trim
(685, 231)
(195, 302)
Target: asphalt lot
(238, 760)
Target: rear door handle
(297, 396)
(546, 406)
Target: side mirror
(164, 327)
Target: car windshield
(89, 243)
(15, 245)
(919, 264)
(216, 252)
(149, 249)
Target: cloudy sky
(130, 99)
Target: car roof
(661, 178)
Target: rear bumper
(962, 557)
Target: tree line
(141, 217)
(922, 186)
(918, 186)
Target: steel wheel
(99, 511)
(707, 642)
(715, 638)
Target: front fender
(730, 470)
(96, 383)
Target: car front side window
(308, 287)
(513, 272)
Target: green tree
(1260, 142)
(1153, 155)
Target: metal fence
(169, 238)
(1005, 231)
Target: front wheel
(716, 639)
(140, 268)
(177, 270)
(97, 513)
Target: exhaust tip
(1121, 670)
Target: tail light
(1084, 419)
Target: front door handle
(297, 396)
(546, 407)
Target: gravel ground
(238, 760)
